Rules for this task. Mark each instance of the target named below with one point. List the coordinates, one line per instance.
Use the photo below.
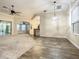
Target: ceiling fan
(46, 11)
(12, 11)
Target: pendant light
(54, 17)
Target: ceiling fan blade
(17, 12)
(5, 7)
(34, 16)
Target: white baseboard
(77, 46)
(54, 36)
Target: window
(23, 27)
(75, 20)
(76, 28)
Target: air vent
(58, 7)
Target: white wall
(75, 14)
(54, 28)
(74, 39)
(34, 22)
(14, 19)
(18, 19)
(7, 18)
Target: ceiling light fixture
(54, 17)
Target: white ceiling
(30, 7)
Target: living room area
(39, 29)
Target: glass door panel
(1, 28)
(8, 28)
(23, 27)
(5, 28)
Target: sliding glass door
(5, 28)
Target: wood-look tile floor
(52, 48)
